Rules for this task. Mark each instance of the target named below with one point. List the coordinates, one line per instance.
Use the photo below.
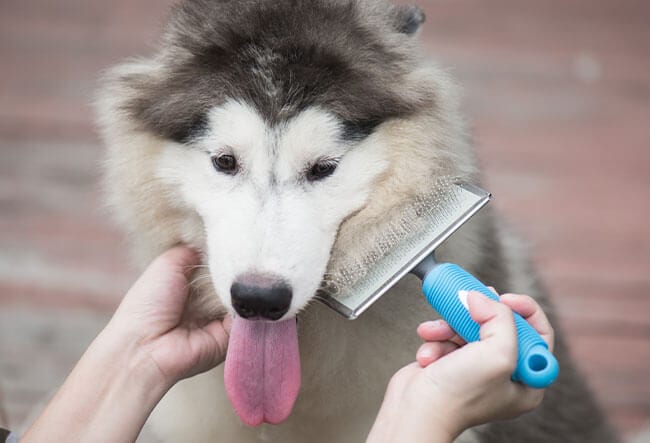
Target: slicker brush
(356, 280)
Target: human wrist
(126, 376)
(433, 425)
(124, 352)
(397, 430)
(413, 418)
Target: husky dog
(271, 135)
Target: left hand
(143, 351)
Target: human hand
(138, 356)
(150, 317)
(455, 385)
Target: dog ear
(409, 19)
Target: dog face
(264, 132)
(271, 197)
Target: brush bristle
(354, 276)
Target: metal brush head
(357, 279)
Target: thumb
(496, 321)
(166, 275)
(179, 259)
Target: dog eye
(321, 169)
(225, 163)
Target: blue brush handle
(536, 366)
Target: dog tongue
(262, 372)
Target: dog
(272, 135)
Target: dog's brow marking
(263, 69)
(274, 154)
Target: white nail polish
(462, 296)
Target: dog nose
(262, 296)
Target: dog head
(271, 133)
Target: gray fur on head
(282, 56)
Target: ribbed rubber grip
(536, 366)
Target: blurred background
(559, 95)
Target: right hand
(455, 385)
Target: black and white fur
(283, 87)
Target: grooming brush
(354, 282)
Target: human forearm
(107, 397)
(402, 418)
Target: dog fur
(344, 72)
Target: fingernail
(509, 296)
(462, 296)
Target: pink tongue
(262, 373)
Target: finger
(497, 323)
(532, 312)
(220, 332)
(208, 346)
(431, 351)
(460, 341)
(436, 330)
(164, 277)
(439, 330)
(491, 288)
(173, 261)
(220, 326)
(180, 258)
(522, 304)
